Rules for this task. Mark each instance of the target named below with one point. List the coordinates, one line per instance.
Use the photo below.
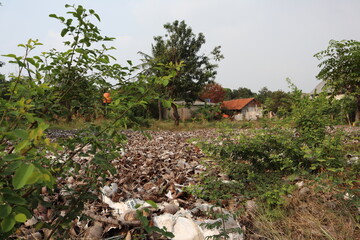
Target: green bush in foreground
(31, 165)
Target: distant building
(186, 111)
(321, 87)
(243, 109)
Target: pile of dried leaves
(156, 169)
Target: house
(243, 109)
(186, 111)
(321, 87)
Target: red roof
(236, 104)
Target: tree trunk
(69, 114)
(357, 113)
(160, 110)
(175, 114)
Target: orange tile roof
(236, 104)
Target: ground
(159, 169)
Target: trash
(110, 190)
(171, 208)
(186, 229)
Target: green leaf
(21, 133)
(109, 38)
(116, 102)
(104, 59)
(152, 203)
(32, 62)
(15, 199)
(166, 104)
(64, 32)
(80, 10)
(53, 16)
(7, 224)
(35, 176)
(22, 145)
(69, 21)
(11, 157)
(39, 225)
(80, 50)
(5, 210)
(38, 75)
(20, 217)
(97, 16)
(22, 175)
(10, 55)
(141, 89)
(19, 209)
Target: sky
(263, 41)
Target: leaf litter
(155, 169)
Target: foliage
(270, 155)
(29, 162)
(310, 118)
(220, 224)
(213, 189)
(78, 74)
(3, 82)
(263, 94)
(23, 147)
(214, 92)
(241, 92)
(340, 68)
(208, 112)
(343, 109)
(180, 44)
(146, 228)
(279, 102)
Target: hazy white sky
(263, 41)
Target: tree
(213, 91)
(25, 166)
(241, 92)
(3, 83)
(77, 74)
(263, 94)
(228, 93)
(340, 69)
(180, 44)
(279, 102)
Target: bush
(208, 113)
(30, 163)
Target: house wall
(249, 112)
(185, 113)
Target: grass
(316, 216)
(193, 125)
(321, 214)
(169, 125)
(282, 212)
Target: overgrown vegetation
(297, 171)
(300, 170)
(55, 84)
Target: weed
(221, 224)
(147, 229)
